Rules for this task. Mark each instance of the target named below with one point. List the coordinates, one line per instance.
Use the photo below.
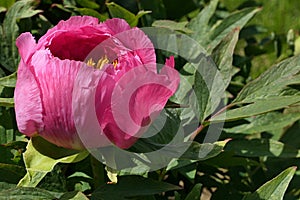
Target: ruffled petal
(73, 23)
(76, 45)
(56, 80)
(75, 38)
(26, 45)
(28, 105)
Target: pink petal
(136, 100)
(170, 62)
(76, 45)
(27, 97)
(75, 38)
(56, 80)
(26, 45)
(73, 23)
(116, 25)
(141, 46)
(91, 96)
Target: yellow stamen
(101, 62)
(115, 63)
(91, 63)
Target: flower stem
(98, 172)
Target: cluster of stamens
(101, 62)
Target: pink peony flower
(89, 84)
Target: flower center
(101, 62)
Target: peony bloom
(90, 84)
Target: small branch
(196, 132)
(203, 125)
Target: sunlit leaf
(200, 24)
(275, 188)
(222, 55)
(258, 107)
(91, 12)
(273, 82)
(176, 26)
(195, 192)
(7, 102)
(235, 20)
(198, 152)
(88, 4)
(40, 158)
(119, 12)
(76, 195)
(266, 122)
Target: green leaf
(275, 188)
(8, 50)
(41, 157)
(262, 147)
(210, 35)
(75, 195)
(209, 87)
(204, 151)
(2, 9)
(88, 4)
(222, 55)
(200, 24)
(291, 136)
(27, 193)
(91, 12)
(273, 82)
(117, 11)
(270, 91)
(236, 20)
(258, 107)
(7, 126)
(210, 84)
(9, 81)
(131, 186)
(11, 173)
(197, 152)
(228, 159)
(157, 7)
(265, 122)
(195, 194)
(6, 3)
(6, 186)
(175, 26)
(7, 102)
